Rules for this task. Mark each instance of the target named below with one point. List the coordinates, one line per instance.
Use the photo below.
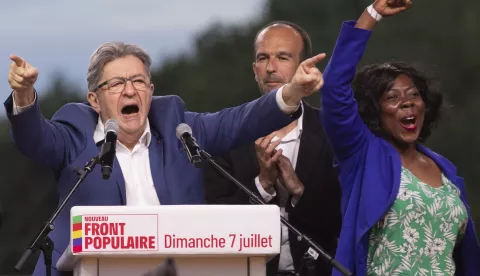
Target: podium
(203, 240)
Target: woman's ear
(92, 98)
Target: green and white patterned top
(418, 234)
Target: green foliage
(219, 74)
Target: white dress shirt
(135, 164)
(290, 145)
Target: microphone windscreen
(183, 128)
(112, 126)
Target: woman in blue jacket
(404, 208)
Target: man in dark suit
(293, 166)
(150, 167)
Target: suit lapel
(310, 143)
(116, 176)
(252, 155)
(155, 151)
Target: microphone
(184, 134)
(107, 152)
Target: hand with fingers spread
(21, 77)
(306, 81)
(289, 178)
(267, 158)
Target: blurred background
(203, 51)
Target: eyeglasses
(117, 84)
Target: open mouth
(409, 122)
(130, 109)
(273, 81)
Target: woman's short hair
(373, 80)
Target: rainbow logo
(77, 234)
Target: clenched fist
(306, 81)
(381, 8)
(391, 7)
(21, 77)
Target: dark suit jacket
(317, 213)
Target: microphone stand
(42, 241)
(314, 250)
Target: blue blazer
(369, 166)
(66, 142)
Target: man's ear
(254, 71)
(152, 88)
(92, 98)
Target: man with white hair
(150, 165)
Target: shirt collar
(99, 133)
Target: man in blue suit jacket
(150, 167)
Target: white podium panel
(202, 239)
(197, 266)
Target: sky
(60, 36)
